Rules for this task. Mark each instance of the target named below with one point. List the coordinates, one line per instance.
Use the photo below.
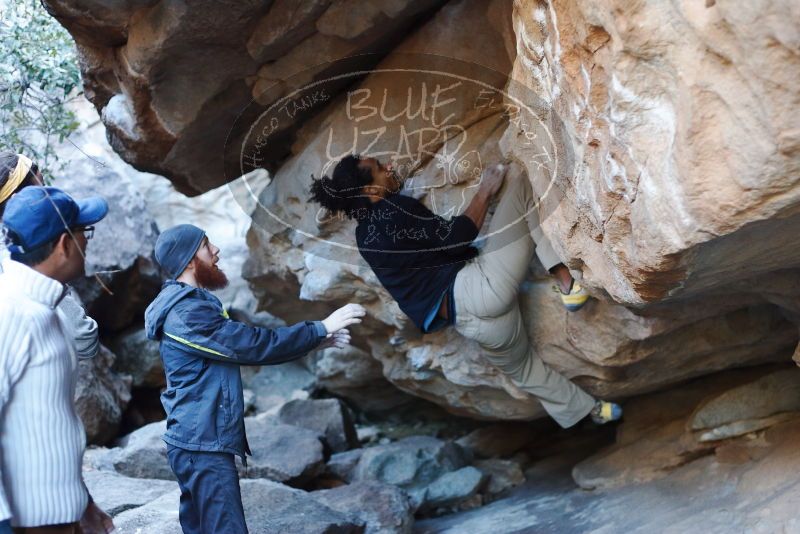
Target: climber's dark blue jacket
(202, 350)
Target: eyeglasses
(88, 231)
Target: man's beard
(209, 276)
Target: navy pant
(211, 502)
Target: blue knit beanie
(176, 247)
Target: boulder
(329, 418)
(269, 507)
(663, 431)
(453, 487)
(759, 404)
(159, 515)
(274, 385)
(385, 509)
(283, 453)
(502, 475)
(101, 395)
(141, 454)
(352, 373)
(611, 348)
(252, 53)
(651, 188)
(115, 493)
(666, 197)
(412, 463)
(139, 357)
(343, 464)
(122, 277)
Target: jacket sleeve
(14, 358)
(200, 325)
(84, 328)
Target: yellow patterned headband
(16, 177)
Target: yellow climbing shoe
(575, 299)
(605, 412)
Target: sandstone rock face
(610, 349)
(669, 429)
(685, 152)
(659, 139)
(166, 77)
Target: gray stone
(328, 417)
(269, 508)
(101, 396)
(142, 453)
(385, 509)
(454, 487)
(354, 374)
(274, 385)
(410, 463)
(158, 516)
(283, 453)
(115, 493)
(503, 474)
(139, 357)
(342, 465)
(748, 407)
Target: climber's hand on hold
(492, 178)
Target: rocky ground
(715, 455)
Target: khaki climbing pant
(487, 306)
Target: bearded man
(202, 349)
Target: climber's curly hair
(343, 192)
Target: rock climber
(202, 349)
(438, 278)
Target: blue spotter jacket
(202, 350)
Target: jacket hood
(156, 313)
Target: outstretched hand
(344, 317)
(339, 340)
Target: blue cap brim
(92, 210)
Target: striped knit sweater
(41, 437)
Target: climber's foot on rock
(605, 412)
(573, 296)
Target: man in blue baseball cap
(41, 437)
